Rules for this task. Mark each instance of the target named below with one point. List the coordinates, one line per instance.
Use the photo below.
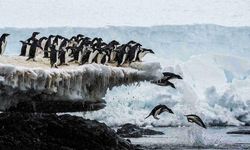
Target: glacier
(212, 59)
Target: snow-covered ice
(23, 80)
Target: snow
(101, 13)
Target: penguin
(195, 119)
(48, 45)
(113, 47)
(133, 52)
(42, 41)
(79, 36)
(85, 57)
(122, 55)
(142, 52)
(171, 75)
(164, 82)
(93, 55)
(158, 110)
(26, 47)
(62, 56)
(33, 49)
(3, 43)
(53, 56)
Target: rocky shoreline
(50, 131)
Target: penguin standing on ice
(113, 50)
(122, 55)
(53, 56)
(3, 43)
(47, 46)
(33, 49)
(133, 52)
(158, 110)
(26, 47)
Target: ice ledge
(85, 83)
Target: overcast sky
(95, 13)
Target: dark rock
(239, 132)
(131, 130)
(49, 131)
(55, 106)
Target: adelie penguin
(158, 110)
(3, 43)
(54, 61)
(195, 119)
(33, 49)
(165, 80)
(142, 52)
(133, 52)
(122, 55)
(26, 47)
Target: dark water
(195, 138)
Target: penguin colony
(82, 50)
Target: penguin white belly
(43, 44)
(124, 58)
(27, 51)
(112, 56)
(57, 60)
(92, 56)
(79, 57)
(107, 59)
(2, 48)
(136, 53)
(67, 58)
(99, 58)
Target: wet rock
(239, 132)
(56, 106)
(131, 130)
(49, 131)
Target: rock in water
(131, 130)
(239, 132)
(49, 131)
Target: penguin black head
(35, 34)
(131, 42)
(114, 42)
(80, 35)
(5, 35)
(149, 50)
(138, 44)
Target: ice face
(87, 83)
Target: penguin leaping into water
(195, 119)
(3, 43)
(158, 110)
